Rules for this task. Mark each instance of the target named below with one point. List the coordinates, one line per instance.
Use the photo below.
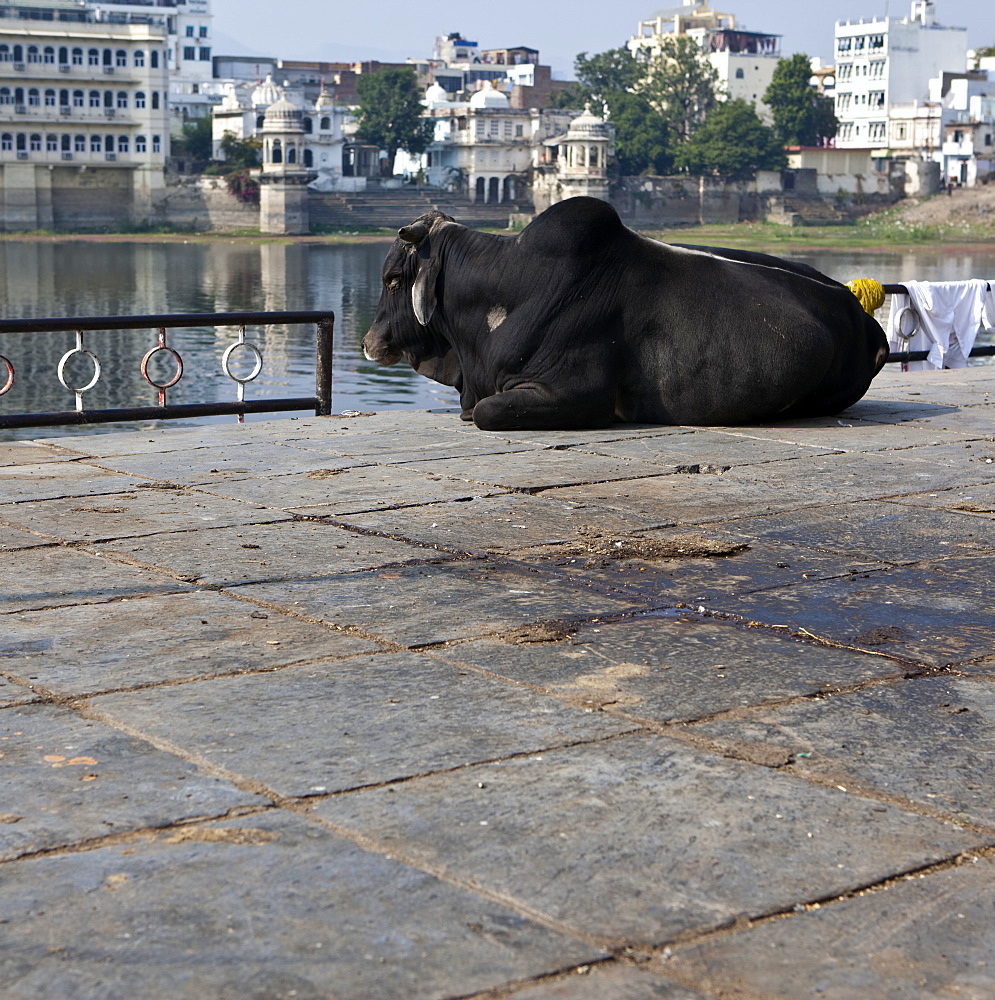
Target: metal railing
(320, 402)
(904, 357)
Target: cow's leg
(536, 407)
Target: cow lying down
(578, 322)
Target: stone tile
(931, 740)
(969, 421)
(57, 479)
(533, 470)
(55, 576)
(71, 779)
(675, 666)
(13, 538)
(975, 500)
(935, 618)
(616, 432)
(922, 937)
(606, 982)
(863, 477)
(508, 521)
(258, 908)
(287, 550)
(959, 454)
(158, 440)
(852, 435)
(126, 515)
(638, 839)
(877, 530)
(352, 490)
(694, 499)
(208, 466)
(150, 640)
(704, 447)
(31, 453)
(363, 721)
(416, 605)
(14, 694)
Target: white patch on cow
(496, 316)
(367, 355)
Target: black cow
(579, 321)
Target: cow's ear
(414, 233)
(423, 289)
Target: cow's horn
(414, 233)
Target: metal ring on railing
(900, 318)
(10, 376)
(151, 354)
(255, 371)
(79, 349)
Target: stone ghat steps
(391, 209)
(816, 212)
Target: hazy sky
(390, 30)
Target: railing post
(323, 367)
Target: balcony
(65, 68)
(22, 154)
(67, 156)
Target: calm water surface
(73, 278)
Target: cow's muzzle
(375, 348)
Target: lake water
(77, 278)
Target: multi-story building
(886, 62)
(84, 121)
(744, 60)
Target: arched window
(122, 98)
(94, 99)
(140, 142)
(18, 95)
(122, 144)
(21, 142)
(109, 144)
(49, 98)
(67, 143)
(93, 57)
(6, 97)
(292, 154)
(79, 99)
(77, 57)
(63, 98)
(18, 51)
(740, 74)
(51, 143)
(121, 58)
(260, 121)
(79, 143)
(326, 124)
(277, 151)
(155, 58)
(139, 58)
(4, 53)
(155, 100)
(156, 144)
(140, 99)
(108, 98)
(34, 56)
(108, 57)
(308, 125)
(48, 55)
(308, 158)
(63, 56)
(6, 142)
(96, 145)
(34, 98)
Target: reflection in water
(79, 278)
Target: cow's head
(400, 327)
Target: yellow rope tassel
(870, 293)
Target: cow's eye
(393, 284)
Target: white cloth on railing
(948, 316)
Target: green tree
(240, 154)
(732, 142)
(641, 145)
(984, 52)
(606, 73)
(681, 84)
(390, 112)
(197, 141)
(802, 116)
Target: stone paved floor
(389, 707)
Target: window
(308, 125)
(739, 73)
(139, 59)
(20, 143)
(34, 98)
(93, 57)
(79, 143)
(6, 142)
(18, 51)
(155, 100)
(96, 145)
(308, 158)
(94, 98)
(108, 98)
(154, 58)
(77, 57)
(277, 156)
(34, 56)
(51, 143)
(49, 98)
(78, 99)
(108, 57)
(121, 58)
(189, 52)
(122, 144)
(67, 144)
(519, 131)
(843, 44)
(6, 97)
(63, 56)
(156, 144)
(140, 99)
(901, 130)
(876, 98)
(858, 43)
(4, 53)
(109, 144)
(260, 121)
(63, 98)
(140, 143)
(876, 130)
(122, 99)
(203, 31)
(326, 124)
(205, 53)
(189, 31)
(875, 42)
(877, 68)
(48, 55)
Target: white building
(84, 126)
(888, 61)
(744, 60)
